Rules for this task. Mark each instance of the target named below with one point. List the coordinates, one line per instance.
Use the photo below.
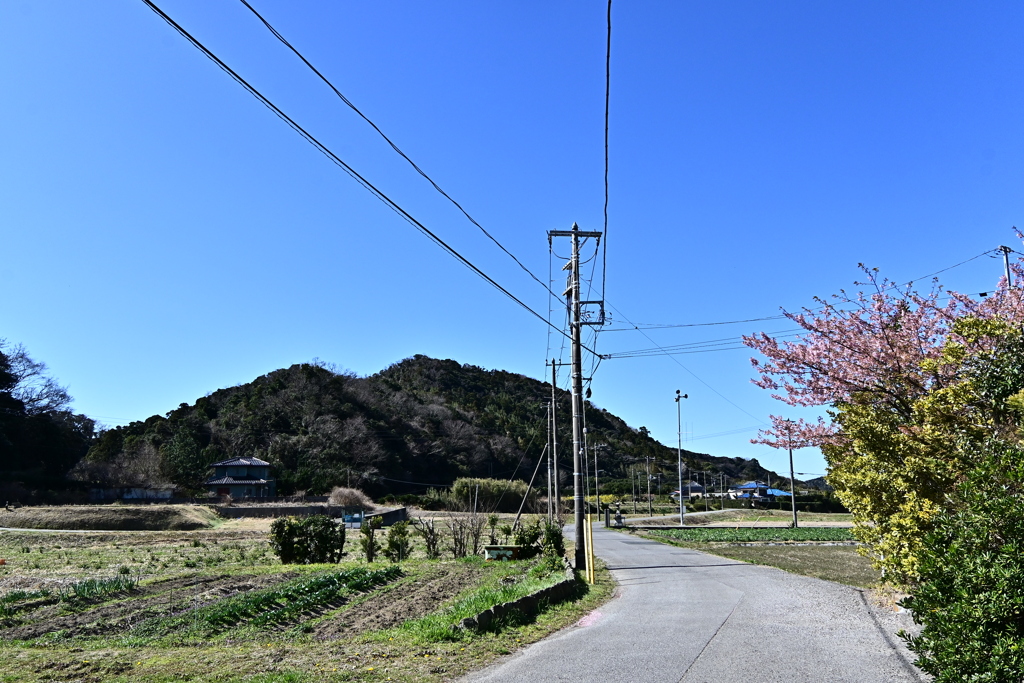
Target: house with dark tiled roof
(241, 478)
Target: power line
(658, 326)
(692, 373)
(607, 107)
(323, 149)
(395, 147)
(727, 344)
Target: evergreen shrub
(307, 540)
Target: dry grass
(231, 553)
(839, 563)
(111, 517)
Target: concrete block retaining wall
(388, 517)
(528, 604)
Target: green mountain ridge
(418, 424)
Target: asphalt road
(681, 615)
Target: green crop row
(19, 596)
(91, 589)
(751, 535)
(272, 605)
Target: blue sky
(166, 235)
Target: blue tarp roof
(768, 492)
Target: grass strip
(754, 535)
(437, 627)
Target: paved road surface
(682, 615)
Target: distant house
(241, 478)
(691, 489)
(757, 491)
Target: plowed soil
(409, 598)
(163, 598)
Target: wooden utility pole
(576, 323)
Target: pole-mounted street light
(679, 450)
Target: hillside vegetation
(421, 422)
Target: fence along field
(217, 604)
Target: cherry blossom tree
(870, 344)
(888, 364)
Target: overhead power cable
(607, 108)
(390, 142)
(692, 373)
(323, 149)
(662, 326)
(723, 344)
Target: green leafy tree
(970, 599)
(969, 595)
(307, 540)
(185, 460)
(368, 538)
(398, 546)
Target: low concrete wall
(388, 517)
(528, 604)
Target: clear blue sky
(165, 235)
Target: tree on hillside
(39, 436)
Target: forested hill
(421, 422)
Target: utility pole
(792, 481)
(575, 303)
(1006, 265)
(550, 501)
(554, 442)
(650, 510)
(632, 484)
(679, 450)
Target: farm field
(825, 552)
(761, 518)
(217, 605)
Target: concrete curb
(528, 604)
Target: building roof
(237, 462)
(228, 481)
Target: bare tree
(39, 392)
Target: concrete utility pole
(1006, 265)
(554, 443)
(572, 294)
(551, 508)
(792, 481)
(650, 510)
(679, 450)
